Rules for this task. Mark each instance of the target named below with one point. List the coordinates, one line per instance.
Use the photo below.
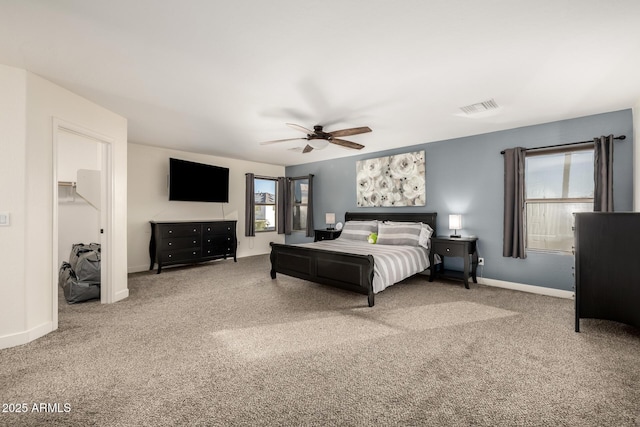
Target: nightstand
(463, 247)
(324, 234)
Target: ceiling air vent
(480, 107)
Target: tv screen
(197, 182)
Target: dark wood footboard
(346, 271)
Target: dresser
(463, 247)
(191, 242)
(606, 256)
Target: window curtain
(250, 206)
(310, 230)
(284, 206)
(603, 174)
(513, 237)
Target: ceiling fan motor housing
(319, 133)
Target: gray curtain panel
(284, 206)
(603, 174)
(310, 230)
(250, 207)
(513, 237)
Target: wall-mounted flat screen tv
(197, 182)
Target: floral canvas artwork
(397, 180)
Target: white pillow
(424, 239)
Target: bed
(351, 267)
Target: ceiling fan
(318, 134)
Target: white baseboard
(527, 288)
(25, 337)
(121, 295)
(137, 268)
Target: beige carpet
(223, 344)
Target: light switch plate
(4, 218)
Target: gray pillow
(406, 234)
(358, 230)
(426, 232)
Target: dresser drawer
(174, 243)
(449, 249)
(183, 255)
(226, 229)
(214, 250)
(180, 230)
(218, 240)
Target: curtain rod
(621, 137)
(300, 177)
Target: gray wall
(465, 175)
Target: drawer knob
(448, 249)
(170, 255)
(194, 253)
(170, 243)
(194, 230)
(194, 241)
(170, 231)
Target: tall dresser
(606, 259)
(191, 242)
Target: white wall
(148, 200)
(29, 105)
(12, 200)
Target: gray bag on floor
(85, 262)
(74, 290)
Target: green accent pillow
(373, 238)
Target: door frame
(106, 212)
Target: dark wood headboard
(425, 217)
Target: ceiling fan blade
(281, 140)
(345, 143)
(352, 131)
(307, 149)
(300, 128)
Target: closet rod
(621, 137)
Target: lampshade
(330, 218)
(455, 222)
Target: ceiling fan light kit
(319, 139)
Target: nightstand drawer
(326, 235)
(449, 249)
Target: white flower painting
(391, 181)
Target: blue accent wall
(465, 175)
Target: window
(300, 203)
(265, 204)
(557, 185)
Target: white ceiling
(218, 77)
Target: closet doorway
(82, 199)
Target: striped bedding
(392, 263)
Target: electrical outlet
(480, 261)
(4, 218)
